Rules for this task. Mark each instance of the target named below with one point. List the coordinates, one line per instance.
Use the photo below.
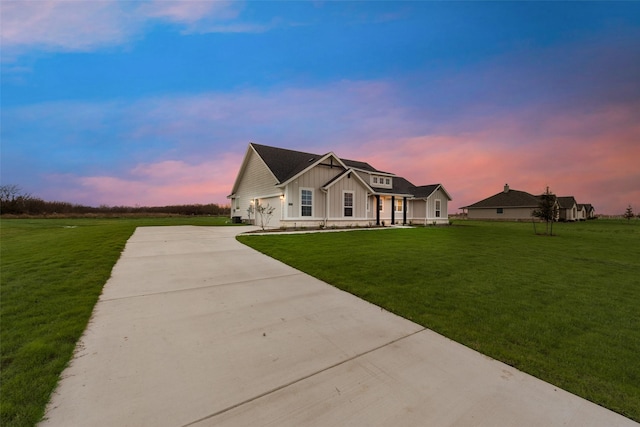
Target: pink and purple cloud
(155, 105)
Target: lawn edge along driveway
(194, 328)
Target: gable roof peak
(285, 163)
(507, 198)
(566, 202)
(282, 162)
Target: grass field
(52, 273)
(565, 309)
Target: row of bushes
(28, 205)
(34, 206)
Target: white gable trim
(346, 174)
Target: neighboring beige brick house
(519, 205)
(324, 190)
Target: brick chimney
(506, 188)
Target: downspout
(426, 210)
(326, 206)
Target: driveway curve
(195, 329)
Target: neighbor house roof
(566, 202)
(507, 199)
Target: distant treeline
(13, 202)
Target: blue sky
(155, 102)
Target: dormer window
(381, 181)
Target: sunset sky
(154, 102)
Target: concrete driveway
(195, 329)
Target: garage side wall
(256, 181)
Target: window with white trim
(399, 207)
(380, 181)
(437, 208)
(348, 203)
(306, 202)
(380, 204)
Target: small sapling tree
(628, 214)
(547, 210)
(262, 213)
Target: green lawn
(565, 309)
(52, 273)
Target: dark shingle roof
(510, 199)
(403, 186)
(566, 202)
(360, 165)
(400, 186)
(287, 163)
(284, 163)
(424, 190)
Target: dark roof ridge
(511, 198)
(283, 162)
(566, 202)
(270, 147)
(286, 163)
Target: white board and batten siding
(309, 181)
(257, 180)
(336, 199)
(431, 205)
